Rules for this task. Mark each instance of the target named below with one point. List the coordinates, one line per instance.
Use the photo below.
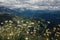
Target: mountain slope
(51, 15)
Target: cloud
(32, 4)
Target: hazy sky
(32, 4)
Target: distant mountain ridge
(52, 15)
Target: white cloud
(33, 1)
(31, 4)
(2, 0)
